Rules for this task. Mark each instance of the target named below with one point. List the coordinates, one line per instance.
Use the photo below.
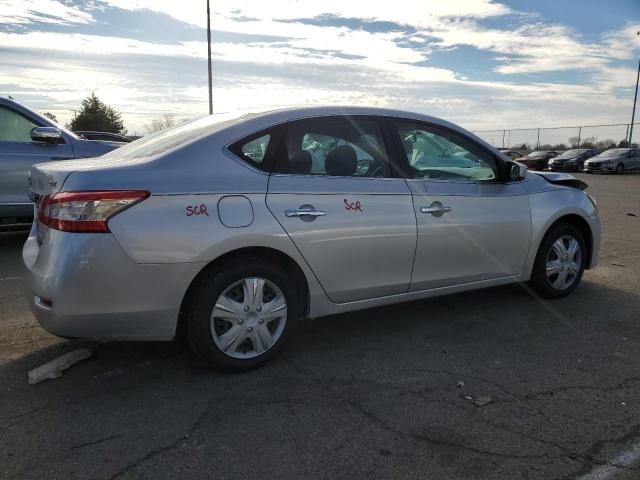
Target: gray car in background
(232, 232)
(615, 160)
(27, 138)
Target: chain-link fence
(561, 138)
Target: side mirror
(516, 171)
(46, 134)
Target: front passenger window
(14, 127)
(439, 154)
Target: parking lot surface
(490, 384)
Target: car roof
(259, 120)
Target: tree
(574, 141)
(605, 144)
(165, 121)
(50, 116)
(589, 142)
(97, 116)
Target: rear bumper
(96, 291)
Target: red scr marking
(357, 206)
(197, 210)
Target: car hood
(604, 159)
(563, 179)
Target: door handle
(436, 209)
(306, 212)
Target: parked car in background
(255, 223)
(538, 159)
(572, 160)
(512, 154)
(107, 136)
(617, 160)
(27, 138)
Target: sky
(479, 63)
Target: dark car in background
(27, 138)
(105, 136)
(572, 160)
(512, 154)
(538, 159)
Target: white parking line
(626, 458)
(10, 278)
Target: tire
(589, 172)
(580, 167)
(619, 169)
(572, 267)
(238, 314)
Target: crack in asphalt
(588, 459)
(194, 428)
(95, 442)
(391, 428)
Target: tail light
(85, 211)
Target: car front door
(471, 226)
(17, 153)
(629, 160)
(333, 193)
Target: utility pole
(209, 59)
(635, 97)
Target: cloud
(21, 12)
(286, 52)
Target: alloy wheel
(248, 317)
(564, 262)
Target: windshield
(614, 152)
(572, 153)
(537, 154)
(164, 140)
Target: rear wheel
(560, 262)
(240, 316)
(619, 169)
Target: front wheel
(240, 315)
(560, 262)
(580, 167)
(619, 169)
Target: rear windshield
(164, 140)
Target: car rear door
(333, 193)
(471, 226)
(18, 153)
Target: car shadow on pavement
(401, 374)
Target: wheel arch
(269, 254)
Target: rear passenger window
(334, 146)
(256, 149)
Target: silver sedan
(232, 232)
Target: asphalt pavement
(489, 384)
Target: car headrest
(300, 162)
(342, 161)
